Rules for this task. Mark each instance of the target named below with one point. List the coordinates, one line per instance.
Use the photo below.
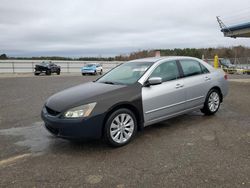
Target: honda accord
(134, 95)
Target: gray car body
(172, 98)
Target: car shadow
(155, 131)
(38, 140)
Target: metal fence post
(13, 67)
(32, 68)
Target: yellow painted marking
(13, 159)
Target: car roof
(156, 59)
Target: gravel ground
(188, 151)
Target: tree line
(208, 53)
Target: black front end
(39, 68)
(106, 96)
(78, 128)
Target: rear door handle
(179, 86)
(207, 78)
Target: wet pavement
(188, 151)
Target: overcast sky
(113, 27)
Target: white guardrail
(27, 66)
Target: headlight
(80, 111)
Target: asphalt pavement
(191, 150)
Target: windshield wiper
(109, 82)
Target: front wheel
(120, 127)
(48, 72)
(212, 103)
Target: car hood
(92, 67)
(79, 95)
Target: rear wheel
(83, 74)
(101, 72)
(212, 103)
(58, 72)
(120, 127)
(36, 74)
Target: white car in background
(92, 68)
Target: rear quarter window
(204, 69)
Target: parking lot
(187, 151)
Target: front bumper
(87, 128)
(39, 71)
(88, 71)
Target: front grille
(52, 130)
(40, 68)
(52, 112)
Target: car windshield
(45, 63)
(127, 73)
(90, 65)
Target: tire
(212, 102)
(83, 74)
(48, 72)
(120, 131)
(36, 74)
(101, 72)
(58, 72)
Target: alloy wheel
(122, 128)
(213, 101)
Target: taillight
(225, 76)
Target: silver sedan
(134, 95)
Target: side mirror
(153, 81)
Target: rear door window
(190, 67)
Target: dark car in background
(225, 64)
(48, 68)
